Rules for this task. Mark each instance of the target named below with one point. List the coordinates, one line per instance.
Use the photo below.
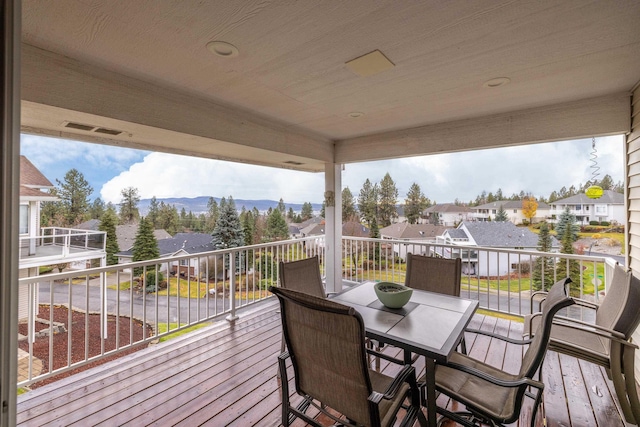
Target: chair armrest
(592, 328)
(578, 301)
(497, 381)
(500, 337)
(385, 356)
(407, 374)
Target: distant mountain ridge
(198, 205)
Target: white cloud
(165, 175)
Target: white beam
(59, 88)
(607, 115)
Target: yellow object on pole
(594, 192)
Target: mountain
(198, 205)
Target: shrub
(594, 223)
(605, 223)
(150, 281)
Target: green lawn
(164, 327)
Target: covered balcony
(307, 86)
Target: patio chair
(326, 346)
(435, 274)
(494, 396)
(607, 341)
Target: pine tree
(129, 205)
(569, 267)
(154, 211)
(502, 214)
(415, 204)
(307, 211)
(228, 232)
(281, 206)
(74, 192)
(567, 220)
(97, 208)
(212, 215)
(168, 218)
(368, 202)
(277, 228)
(248, 227)
(108, 225)
(543, 266)
(348, 205)
(388, 200)
(291, 215)
(145, 246)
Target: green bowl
(392, 295)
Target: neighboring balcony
(57, 245)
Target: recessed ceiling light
(497, 82)
(224, 49)
(355, 115)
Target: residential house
(416, 233)
(125, 233)
(493, 234)
(45, 246)
(355, 229)
(608, 208)
(180, 244)
(448, 214)
(513, 208)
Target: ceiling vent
(291, 162)
(91, 128)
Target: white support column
(333, 225)
(9, 206)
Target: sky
(538, 169)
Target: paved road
(144, 306)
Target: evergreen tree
(323, 209)
(145, 245)
(567, 221)
(277, 228)
(368, 203)
(52, 213)
(168, 218)
(415, 204)
(248, 226)
(291, 215)
(74, 192)
(502, 214)
(281, 207)
(129, 205)
(212, 215)
(543, 266)
(108, 225)
(569, 267)
(97, 208)
(228, 232)
(307, 211)
(348, 205)
(388, 200)
(154, 212)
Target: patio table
(430, 325)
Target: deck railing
(172, 294)
(57, 244)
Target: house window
(515, 211)
(494, 211)
(184, 262)
(24, 219)
(578, 207)
(601, 209)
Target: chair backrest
(434, 274)
(302, 276)
(327, 349)
(619, 309)
(557, 298)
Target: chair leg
(629, 376)
(284, 387)
(619, 383)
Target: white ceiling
(142, 66)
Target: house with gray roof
(416, 235)
(492, 234)
(178, 245)
(513, 208)
(609, 208)
(448, 214)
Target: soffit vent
(108, 131)
(79, 126)
(91, 128)
(291, 162)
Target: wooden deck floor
(226, 376)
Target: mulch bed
(60, 340)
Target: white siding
(633, 199)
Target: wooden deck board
(225, 375)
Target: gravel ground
(60, 340)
